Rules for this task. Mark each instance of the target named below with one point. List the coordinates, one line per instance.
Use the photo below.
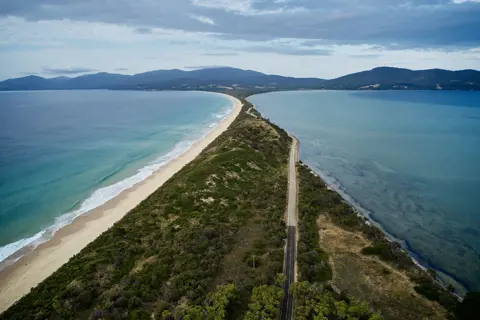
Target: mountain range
(381, 78)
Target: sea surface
(408, 159)
(64, 153)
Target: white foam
(103, 195)
(222, 115)
(11, 248)
(96, 199)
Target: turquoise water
(63, 153)
(408, 159)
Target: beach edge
(20, 277)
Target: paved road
(291, 251)
(292, 186)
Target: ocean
(64, 153)
(410, 160)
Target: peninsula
(207, 240)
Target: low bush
(170, 250)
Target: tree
(280, 280)
(194, 313)
(265, 303)
(217, 301)
(375, 316)
(314, 302)
(214, 306)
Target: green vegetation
(214, 307)
(219, 304)
(389, 251)
(316, 198)
(209, 245)
(312, 301)
(265, 303)
(189, 248)
(430, 289)
(312, 261)
(265, 300)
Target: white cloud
(203, 19)
(246, 7)
(140, 58)
(29, 45)
(237, 6)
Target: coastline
(444, 278)
(17, 279)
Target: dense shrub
(313, 301)
(169, 251)
(316, 199)
(312, 260)
(265, 303)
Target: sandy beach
(17, 280)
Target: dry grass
(389, 290)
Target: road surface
(291, 250)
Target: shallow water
(64, 153)
(409, 159)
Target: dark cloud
(288, 50)
(406, 23)
(143, 30)
(58, 71)
(314, 43)
(272, 47)
(121, 69)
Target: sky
(302, 38)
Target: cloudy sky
(320, 38)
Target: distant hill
(61, 78)
(26, 83)
(165, 79)
(100, 80)
(146, 78)
(396, 78)
(228, 78)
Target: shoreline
(365, 213)
(19, 277)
